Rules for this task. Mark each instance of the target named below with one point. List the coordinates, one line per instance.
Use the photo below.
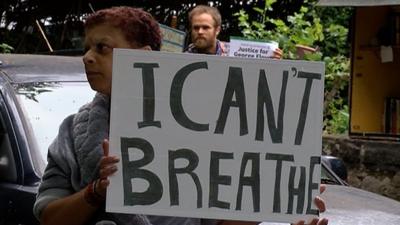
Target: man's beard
(202, 44)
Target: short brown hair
(139, 27)
(200, 9)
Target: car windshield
(327, 177)
(45, 105)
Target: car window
(45, 105)
(8, 169)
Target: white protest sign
(215, 137)
(245, 48)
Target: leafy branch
(306, 29)
(5, 48)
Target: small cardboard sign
(245, 48)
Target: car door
(17, 187)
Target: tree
(62, 20)
(310, 26)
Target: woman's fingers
(107, 163)
(322, 188)
(101, 186)
(106, 145)
(323, 221)
(316, 221)
(299, 223)
(313, 222)
(320, 203)
(107, 160)
(104, 173)
(107, 166)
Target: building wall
(372, 80)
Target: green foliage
(295, 30)
(5, 48)
(336, 42)
(336, 21)
(308, 28)
(336, 111)
(64, 17)
(339, 122)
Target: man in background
(205, 25)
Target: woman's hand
(75, 208)
(107, 168)
(320, 203)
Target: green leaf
(260, 11)
(258, 25)
(5, 48)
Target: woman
(76, 178)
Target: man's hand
(277, 54)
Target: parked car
(38, 92)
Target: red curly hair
(139, 27)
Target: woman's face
(99, 43)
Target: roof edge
(356, 3)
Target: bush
(306, 28)
(336, 111)
(5, 48)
